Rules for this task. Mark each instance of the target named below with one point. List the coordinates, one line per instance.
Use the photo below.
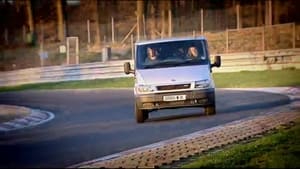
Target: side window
(202, 50)
(206, 51)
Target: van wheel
(141, 115)
(210, 110)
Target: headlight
(202, 84)
(145, 88)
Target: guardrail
(234, 62)
(261, 60)
(96, 70)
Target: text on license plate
(174, 97)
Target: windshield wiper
(168, 63)
(193, 61)
(149, 66)
(172, 63)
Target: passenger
(152, 55)
(193, 52)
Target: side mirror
(127, 68)
(217, 62)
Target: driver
(193, 52)
(151, 55)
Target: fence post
(42, 44)
(194, 33)
(170, 23)
(77, 50)
(24, 33)
(112, 30)
(144, 27)
(132, 47)
(6, 36)
(227, 41)
(238, 22)
(270, 11)
(294, 35)
(137, 26)
(202, 26)
(68, 51)
(88, 31)
(263, 38)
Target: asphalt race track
(89, 124)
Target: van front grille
(174, 87)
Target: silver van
(172, 73)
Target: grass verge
(270, 78)
(275, 78)
(279, 150)
(83, 84)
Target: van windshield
(170, 54)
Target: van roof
(169, 40)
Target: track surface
(92, 123)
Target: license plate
(174, 98)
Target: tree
(30, 22)
(29, 16)
(97, 40)
(152, 23)
(165, 7)
(139, 13)
(259, 16)
(60, 20)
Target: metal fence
(117, 38)
(254, 39)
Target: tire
(141, 115)
(210, 110)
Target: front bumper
(194, 98)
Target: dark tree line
(31, 14)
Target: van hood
(173, 74)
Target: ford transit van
(172, 73)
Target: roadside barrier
(233, 62)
